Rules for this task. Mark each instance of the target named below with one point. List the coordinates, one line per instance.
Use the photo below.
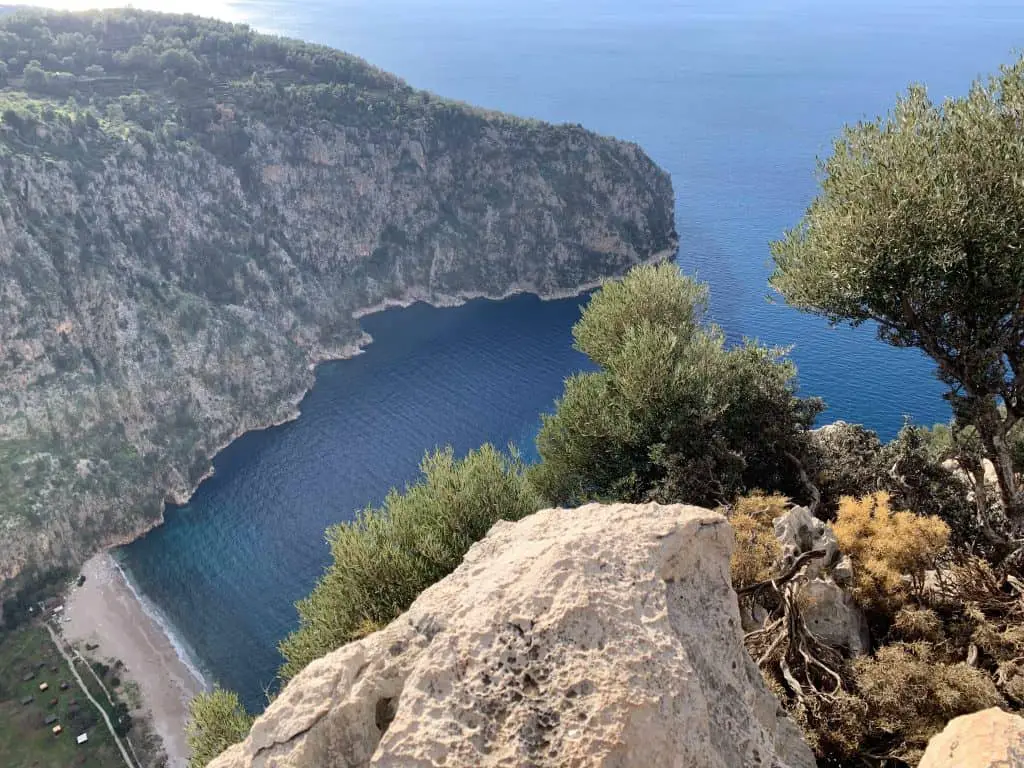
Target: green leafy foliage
(919, 227)
(388, 556)
(216, 721)
(673, 414)
(846, 462)
(913, 471)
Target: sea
(736, 98)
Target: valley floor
(105, 612)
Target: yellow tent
(57, 729)
(43, 686)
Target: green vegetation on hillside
(193, 211)
(216, 721)
(673, 413)
(388, 556)
(172, 79)
(25, 739)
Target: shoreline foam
(184, 652)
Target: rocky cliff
(191, 214)
(602, 636)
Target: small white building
(83, 738)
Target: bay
(736, 99)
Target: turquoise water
(736, 99)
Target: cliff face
(602, 636)
(190, 215)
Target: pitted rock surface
(601, 636)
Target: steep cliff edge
(602, 636)
(192, 213)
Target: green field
(25, 740)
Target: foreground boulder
(988, 739)
(602, 636)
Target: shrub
(388, 556)
(846, 462)
(35, 76)
(914, 623)
(910, 696)
(216, 721)
(885, 546)
(833, 727)
(918, 481)
(673, 414)
(757, 551)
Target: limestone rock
(602, 636)
(988, 739)
(799, 531)
(830, 611)
(988, 484)
(834, 617)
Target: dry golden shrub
(757, 551)
(833, 727)
(886, 546)
(910, 696)
(913, 623)
(1003, 642)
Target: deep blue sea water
(736, 98)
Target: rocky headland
(192, 215)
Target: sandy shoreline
(106, 612)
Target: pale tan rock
(833, 616)
(602, 636)
(799, 531)
(830, 611)
(988, 739)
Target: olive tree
(919, 227)
(673, 414)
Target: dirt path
(106, 615)
(85, 689)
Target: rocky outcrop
(827, 607)
(602, 636)
(988, 739)
(798, 532)
(176, 256)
